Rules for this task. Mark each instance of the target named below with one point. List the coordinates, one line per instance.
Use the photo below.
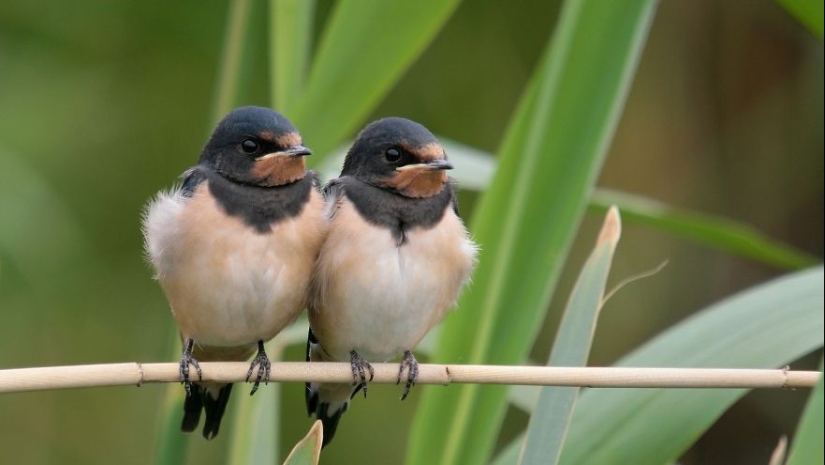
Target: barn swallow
(233, 248)
(395, 260)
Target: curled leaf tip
(611, 228)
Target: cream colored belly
(228, 285)
(380, 299)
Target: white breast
(227, 284)
(378, 298)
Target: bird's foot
(264, 367)
(360, 367)
(411, 364)
(186, 360)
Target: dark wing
(191, 179)
(454, 197)
(333, 194)
(316, 180)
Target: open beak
(296, 151)
(431, 165)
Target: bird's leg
(263, 368)
(411, 364)
(359, 371)
(186, 360)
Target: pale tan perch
(136, 374)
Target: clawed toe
(360, 367)
(264, 367)
(186, 360)
(411, 364)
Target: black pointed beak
(295, 151)
(299, 151)
(440, 165)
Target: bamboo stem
(124, 374)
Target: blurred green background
(104, 103)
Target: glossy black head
(399, 155)
(257, 146)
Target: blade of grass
(475, 168)
(170, 444)
(548, 424)
(766, 326)
(706, 339)
(308, 449)
(290, 36)
(549, 162)
(170, 447)
(778, 455)
(713, 231)
(362, 53)
(807, 444)
(255, 421)
(232, 69)
(808, 12)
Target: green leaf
(527, 219)
(807, 444)
(255, 421)
(308, 449)
(766, 326)
(171, 444)
(808, 12)
(290, 36)
(475, 169)
(712, 231)
(364, 50)
(548, 424)
(235, 62)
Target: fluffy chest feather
(228, 283)
(378, 297)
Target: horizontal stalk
(136, 374)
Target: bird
(395, 259)
(233, 247)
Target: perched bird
(233, 248)
(395, 260)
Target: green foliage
(807, 446)
(571, 108)
(769, 325)
(105, 107)
(808, 12)
(550, 419)
(352, 71)
(308, 450)
(722, 233)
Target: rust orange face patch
(418, 182)
(279, 170)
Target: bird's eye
(249, 145)
(392, 155)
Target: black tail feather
(310, 394)
(192, 406)
(330, 421)
(215, 409)
(200, 400)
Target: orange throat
(277, 171)
(418, 183)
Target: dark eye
(392, 155)
(249, 145)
